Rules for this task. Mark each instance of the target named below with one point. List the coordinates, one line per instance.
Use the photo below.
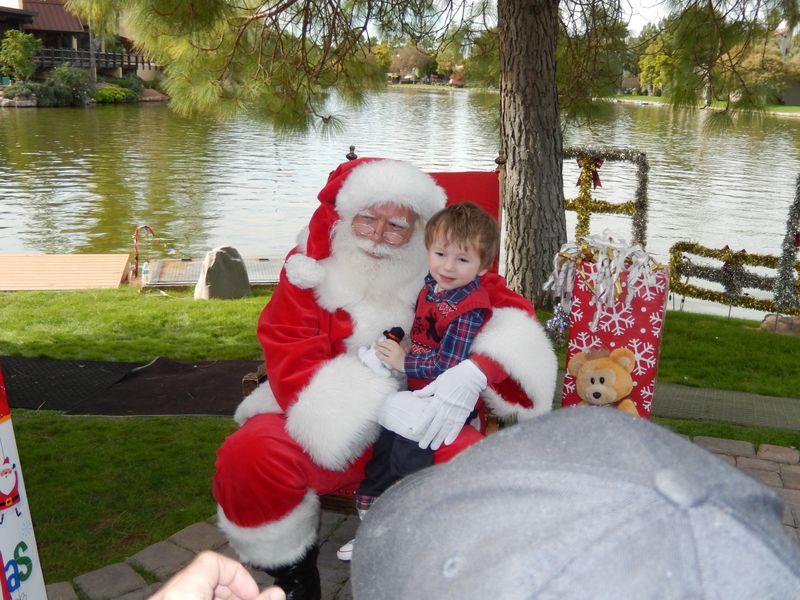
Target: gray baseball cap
(585, 502)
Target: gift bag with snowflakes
(614, 296)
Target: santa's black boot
(299, 580)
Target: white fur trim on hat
(389, 182)
(278, 543)
(520, 344)
(334, 418)
(304, 272)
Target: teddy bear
(604, 378)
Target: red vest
(431, 320)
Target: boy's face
(453, 266)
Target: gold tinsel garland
(584, 204)
(731, 274)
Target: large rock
(18, 102)
(223, 275)
(781, 324)
(151, 95)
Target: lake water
(81, 180)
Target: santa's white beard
(7, 483)
(378, 293)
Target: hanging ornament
(590, 165)
(557, 326)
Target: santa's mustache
(375, 248)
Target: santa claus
(9, 488)
(356, 272)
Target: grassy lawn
(102, 488)
(125, 325)
(664, 100)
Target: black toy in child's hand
(395, 333)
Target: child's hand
(370, 359)
(392, 354)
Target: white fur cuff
(335, 417)
(278, 543)
(260, 400)
(520, 344)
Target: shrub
(68, 86)
(20, 91)
(112, 95)
(132, 83)
(157, 85)
(45, 94)
(18, 54)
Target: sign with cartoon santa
(21, 577)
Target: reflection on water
(80, 180)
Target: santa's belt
(10, 500)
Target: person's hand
(401, 411)
(392, 354)
(370, 359)
(211, 576)
(452, 396)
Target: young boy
(462, 242)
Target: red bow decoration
(797, 240)
(598, 162)
(727, 248)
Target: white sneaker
(345, 553)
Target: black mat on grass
(162, 387)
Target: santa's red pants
(263, 474)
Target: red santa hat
(352, 187)
(364, 182)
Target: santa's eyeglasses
(393, 238)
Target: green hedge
(112, 95)
(20, 91)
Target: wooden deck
(172, 272)
(61, 271)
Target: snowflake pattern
(649, 288)
(569, 385)
(617, 319)
(656, 323)
(575, 315)
(583, 282)
(584, 342)
(575, 311)
(645, 355)
(646, 396)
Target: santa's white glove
(370, 359)
(453, 395)
(400, 413)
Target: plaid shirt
(457, 340)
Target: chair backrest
(480, 187)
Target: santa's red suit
(308, 430)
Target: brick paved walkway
(143, 573)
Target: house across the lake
(67, 39)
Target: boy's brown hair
(466, 224)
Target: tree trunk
(533, 202)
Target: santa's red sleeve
(516, 355)
(331, 400)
